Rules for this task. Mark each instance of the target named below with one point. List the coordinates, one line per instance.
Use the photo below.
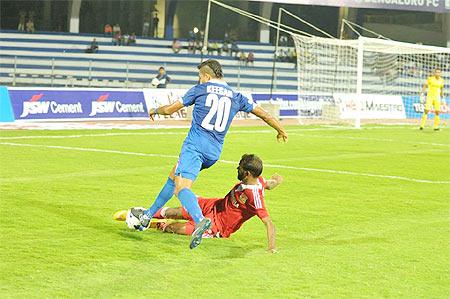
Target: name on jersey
(219, 90)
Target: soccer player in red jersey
(245, 200)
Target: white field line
(370, 139)
(358, 155)
(135, 133)
(344, 172)
(290, 132)
(79, 125)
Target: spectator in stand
(30, 25)
(293, 57)
(176, 46)
(132, 39)
(283, 41)
(284, 55)
(242, 58)
(108, 30)
(163, 78)
(155, 22)
(93, 48)
(234, 49)
(250, 58)
(199, 43)
(225, 47)
(124, 39)
(191, 41)
(226, 38)
(116, 29)
(22, 17)
(117, 39)
(214, 47)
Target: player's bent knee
(182, 183)
(178, 189)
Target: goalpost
(374, 80)
(361, 80)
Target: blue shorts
(191, 162)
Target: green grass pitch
(361, 214)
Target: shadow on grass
(231, 249)
(131, 235)
(350, 241)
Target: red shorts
(207, 207)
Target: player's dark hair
(212, 67)
(161, 68)
(252, 164)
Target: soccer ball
(132, 220)
(155, 82)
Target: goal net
(368, 80)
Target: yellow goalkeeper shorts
(433, 102)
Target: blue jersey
(215, 106)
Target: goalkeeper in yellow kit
(435, 86)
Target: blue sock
(164, 196)
(190, 203)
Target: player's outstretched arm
(271, 121)
(270, 234)
(166, 109)
(274, 181)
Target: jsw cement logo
(101, 105)
(35, 106)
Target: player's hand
(152, 113)
(272, 250)
(277, 178)
(282, 136)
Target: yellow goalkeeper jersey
(434, 87)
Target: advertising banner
(160, 96)
(293, 105)
(372, 106)
(85, 104)
(288, 102)
(414, 108)
(43, 103)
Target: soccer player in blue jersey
(215, 105)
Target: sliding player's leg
(175, 228)
(120, 215)
(171, 213)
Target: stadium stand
(59, 60)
